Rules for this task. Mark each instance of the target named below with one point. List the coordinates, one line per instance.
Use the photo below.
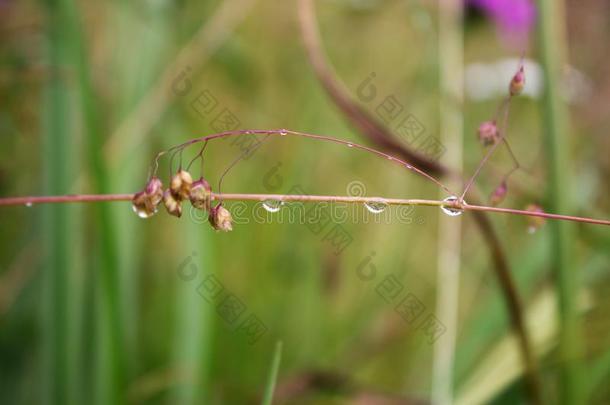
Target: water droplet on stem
(143, 212)
(452, 212)
(272, 205)
(375, 207)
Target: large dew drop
(376, 207)
(452, 212)
(143, 212)
(272, 205)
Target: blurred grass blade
(194, 319)
(57, 236)
(552, 42)
(109, 357)
(451, 83)
(273, 372)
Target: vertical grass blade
(552, 41)
(194, 319)
(57, 234)
(273, 372)
(451, 77)
(108, 353)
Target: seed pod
(517, 83)
(534, 223)
(180, 185)
(488, 133)
(142, 205)
(173, 206)
(154, 190)
(498, 194)
(220, 219)
(201, 194)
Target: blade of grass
(195, 317)
(57, 232)
(552, 41)
(109, 357)
(451, 61)
(273, 372)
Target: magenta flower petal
(514, 18)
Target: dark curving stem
(381, 136)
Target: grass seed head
(180, 185)
(220, 218)
(173, 206)
(201, 194)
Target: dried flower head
(534, 223)
(220, 219)
(201, 194)
(488, 133)
(154, 189)
(498, 194)
(180, 185)
(145, 202)
(517, 83)
(173, 206)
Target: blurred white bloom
(489, 81)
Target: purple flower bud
(154, 190)
(499, 193)
(488, 133)
(517, 83)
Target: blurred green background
(99, 305)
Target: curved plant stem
(381, 136)
(366, 124)
(323, 138)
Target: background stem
(551, 37)
(451, 78)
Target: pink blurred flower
(514, 18)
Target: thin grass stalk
(552, 42)
(273, 372)
(451, 61)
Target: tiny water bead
(283, 132)
(376, 207)
(28, 204)
(142, 211)
(350, 145)
(272, 205)
(452, 212)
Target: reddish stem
(305, 198)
